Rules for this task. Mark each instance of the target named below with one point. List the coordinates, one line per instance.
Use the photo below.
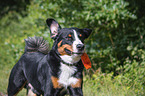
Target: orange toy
(86, 61)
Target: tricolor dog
(48, 72)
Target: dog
(46, 71)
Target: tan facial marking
(80, 35)
(59, 44)
(55, 82)
(78, 84)
(61, 49)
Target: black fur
(37, 65)
(36, 44)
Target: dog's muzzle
(80, 48)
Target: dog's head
(69, 42)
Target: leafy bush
(134, 70)
(116, 44)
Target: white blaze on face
(74, 57)
(76, 42)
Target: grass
(4, 75)
(91, 87)
(107, 89)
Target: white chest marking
(65, 77)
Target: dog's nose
(80, 46)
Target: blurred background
(116, 47)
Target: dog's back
(26, 68)
(48, 72)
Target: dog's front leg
(75, 91)
(52, 92)
(52, 88)
(49, 91)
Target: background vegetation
(116, 46)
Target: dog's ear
(53, 26)
(87, 32)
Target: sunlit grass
(91, 87)
(101, 85)
(108, 89)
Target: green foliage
(134, 70)
(12, 6)
(104, 85)
(116, 44)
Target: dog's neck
(67, 59)
(73, 59)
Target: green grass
(103, 86)
(4, 75)
(107, 89)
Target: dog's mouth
(70, 52)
